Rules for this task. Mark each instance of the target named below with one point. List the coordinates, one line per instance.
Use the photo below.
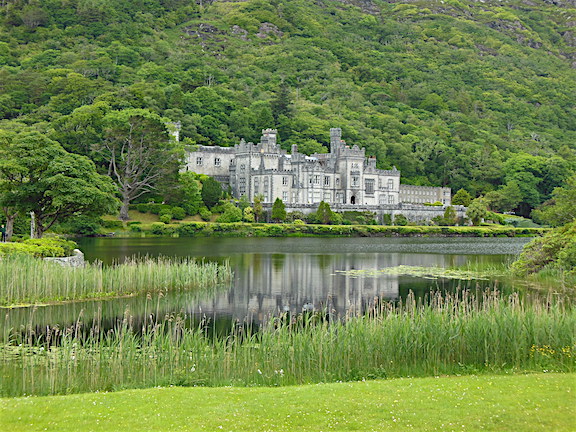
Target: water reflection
(273, 275)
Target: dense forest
(473, 95)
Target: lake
(273, 275)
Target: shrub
(557, 250)
(248, 214)
(44, 247)
(135, 228)
(386, 219)
(82, 225)
(166, 217)
(231, 214)
(400, 220)
(295, 215)
(189, 229)
(143, 208)
(112, 224)
(178, 213)
(205, 214)
(158, 228)
(299, 222)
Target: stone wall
(76, 260)
(413, 212)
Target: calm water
(276, 274)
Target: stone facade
(344, 176)
(411, 194)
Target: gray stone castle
(344, 178)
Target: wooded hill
(475, 95)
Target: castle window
(337, 181)
(242, 167)
(326, 181)
(390, 184)
(316, 179)
(217, 162)
(199, 160)
(242, 186)
(355, 181)
(284, 181)
(369, 186)
(285, 196)
(390, 199)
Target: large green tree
(37, 175)
(211, 191)
(139, 152)
(278, 211)
(561, 208)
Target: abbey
(344, 177)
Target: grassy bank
(242, 229)
(446, 335)
(534, 402)
(26, 280)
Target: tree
(189, 196)
(462, 197)
(211, 192)
(248, 214)
(278, 211)
(561, 209)
(258, 208)
(449, 217)
(281, 104)
(82, 130)
(324, 213)
(506, 198)
(39, 176)
(477, 211)
(139, 153)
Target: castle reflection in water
(267, 284)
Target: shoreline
(243, 229)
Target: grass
(26, 280)
(448, 334)
(535, 402)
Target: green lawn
(538, 402)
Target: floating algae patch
(423, 272)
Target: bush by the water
(44, 247)
(556, 251)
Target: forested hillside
(474, 95)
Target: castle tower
(335, 138)
(268, 139)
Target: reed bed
(445, 334)
(30, 280)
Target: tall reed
(29, 280)
(448, 334)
